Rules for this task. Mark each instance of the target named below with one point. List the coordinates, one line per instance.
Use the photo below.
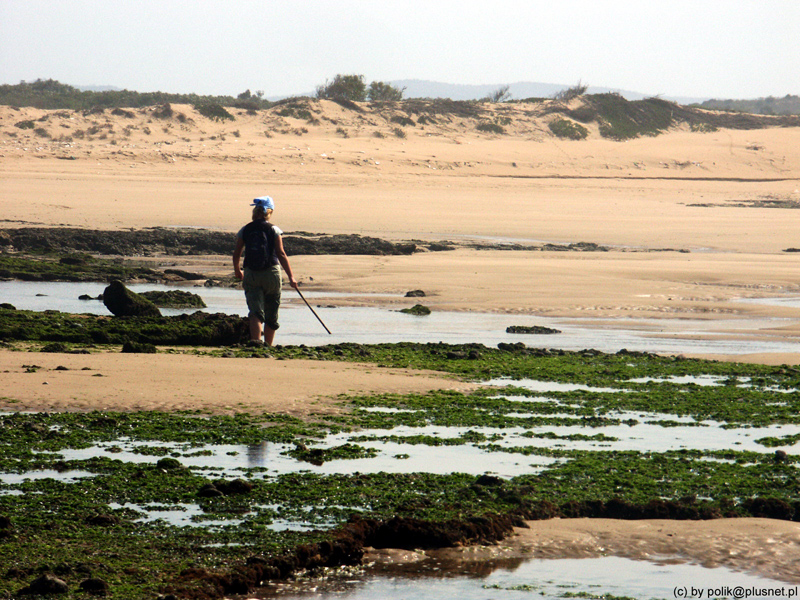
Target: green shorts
(262, 290)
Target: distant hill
(417, 88)
(98, 88)
(788, 105)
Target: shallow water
(377, 324)
(642, 434)
(542, 578)
(787, 301)
(65, 476)
(593, 578)
(230, 461)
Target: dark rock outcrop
(174, 299)
(418, 310)
(124, 303)
(45, 585)
(95, 586)
(533, 329)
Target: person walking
(261, 243)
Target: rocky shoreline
(192, 242)
(181, 242)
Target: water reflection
(520, 579)
(257, 454)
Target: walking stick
(313, 311)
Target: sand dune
(692, 220)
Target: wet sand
(113, 382)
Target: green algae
(174, 299)
(418, 310)
(95, 523)
(318, 456)
(72, 267)
(197, 329)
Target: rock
(418, 310)
(506, 347)
(415, 294)
(186, 275)
(46, 584)
(535, 329)
(209, 490)
(95, 586)
(235, 487)
(76, 259)
(103, 520)
(5, 527)
(124, 303)
(174, 299)
(169, 464)
(488, 480)
(138, 348)
(59, 347)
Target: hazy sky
(700, 48)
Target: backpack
(259, 244)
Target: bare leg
(256, 328)
(269, 336)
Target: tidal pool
(65, 476)
(497, 454)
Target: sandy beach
(693, 223)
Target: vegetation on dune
(577, 90)
(214, 111)
(787, 105)
(564, 128)
(621, 119)
(51, 94)
(490, 127)
(501, 94)
(615, 117)
(344, 87)
(380, 91)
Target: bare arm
(284, 260)
(237, 256)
